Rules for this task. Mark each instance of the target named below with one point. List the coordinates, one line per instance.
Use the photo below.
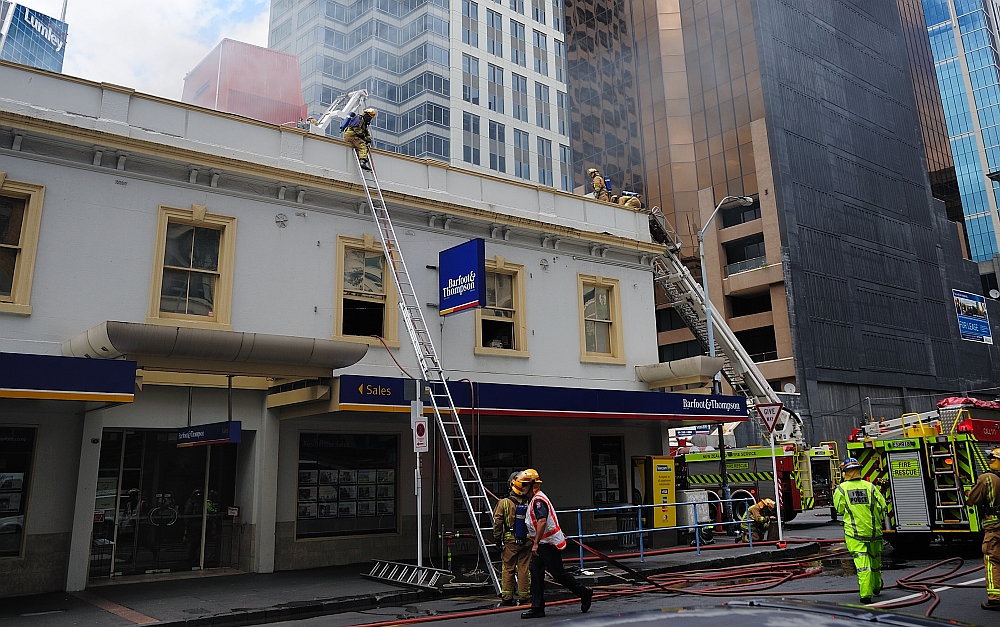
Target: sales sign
(462, 277)
(973, 321)
(215, 433)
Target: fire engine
(925, 464)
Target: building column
(86, 491)
(266, 490)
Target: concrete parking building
(226, 282)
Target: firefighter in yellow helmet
(631, 200)
(357, 135)
(547, 540)
(600, 188)
(986, 495)
(863, 508)
(510, 532)
(761, 521)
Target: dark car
(761, 613)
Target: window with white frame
(522, 155)
(470, 79)
(470, 23)
(519, 96)
(517, 44)
(543, 112)
(471, 139)
(565, 168)
(498, 147)
(544, 161)
(494, 86)
(494, 33)
(538, 11)
(541, 52)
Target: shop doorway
(163, 508)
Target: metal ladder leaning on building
(445, 413)
(685, 295)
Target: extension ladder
(446, 415)
(688, 300)
(409, 575)
(949, 501)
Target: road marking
(914, 596)
(118, 610)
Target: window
(667, 319)
(557, 15)
(745, 254)
(562, 109)
(494, 33)
(470, 23)
(193, 271)
(20, 220)
(522, 168)
(543, 111)
(600, 329)
(740, 215)
(501, 326)
(759, 343)
(607, 456)
(347, 484)
(17, 447)
(470, 79)
(517, 5)
(559, 51)
(538, 11)
(498, 456)
(366, 295)
(519, 96)
(494, 77)
(471, 140)
(544, 161)
(517, 43)
(565, 168)
(498, 147)
(749, 305)
(540, 45)
(680, 350)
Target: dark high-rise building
(838, 279)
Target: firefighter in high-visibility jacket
(760, 522)
(600, 187)
(863, 508)
(547, 540)
(986, 495)
(510, 532)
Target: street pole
(777, 490)
(416, 411)
(727, 506)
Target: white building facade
(476, 83)
(224, 278)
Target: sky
(149, 45)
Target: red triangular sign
(769, 414)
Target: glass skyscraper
(963, 36)
(31, 38)
(479, 84)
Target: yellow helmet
(768, 503)
(593, 172)
(370, 111)
(515, 486)
(993, 454)
(525, 478)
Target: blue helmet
(850, 463)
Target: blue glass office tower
(31, 38)
(963, 36)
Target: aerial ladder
(467, 474)
(685, 294)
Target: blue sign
(973, 321)
(215, 433)
(34, 39)
(462, 272)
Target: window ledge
(15, 308)
(602, 359)
(190, 324)
(500, 352)
(370, 341)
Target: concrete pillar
(266, 492)
(86, 491)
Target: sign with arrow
(769, 413)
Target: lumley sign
(462, 272)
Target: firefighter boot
(365, 165)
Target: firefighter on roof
(511, 533)
(600, 188)
(760, 520)
(357, 135)
(863, 508)
(986, 494)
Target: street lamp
(744, 201)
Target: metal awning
(181, 349)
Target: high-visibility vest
(863, 508)
(552, 534)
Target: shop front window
(607, 459)
(346, 484)
(17, 446)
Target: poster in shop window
(973, 320)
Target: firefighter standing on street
(511, 533)
(986, 494)
(547, 542)
(761, 521)
(356, 134)
(863, 508)
(600, 188)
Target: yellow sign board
(664, 491)
(905, 468)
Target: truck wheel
(910, 543)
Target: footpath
(221, 599)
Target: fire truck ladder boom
(467, 474)
(687, 298)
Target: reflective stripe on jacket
(984, 494)
(552, 534)
(863, 508)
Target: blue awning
(361, 393)
(52, 377)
